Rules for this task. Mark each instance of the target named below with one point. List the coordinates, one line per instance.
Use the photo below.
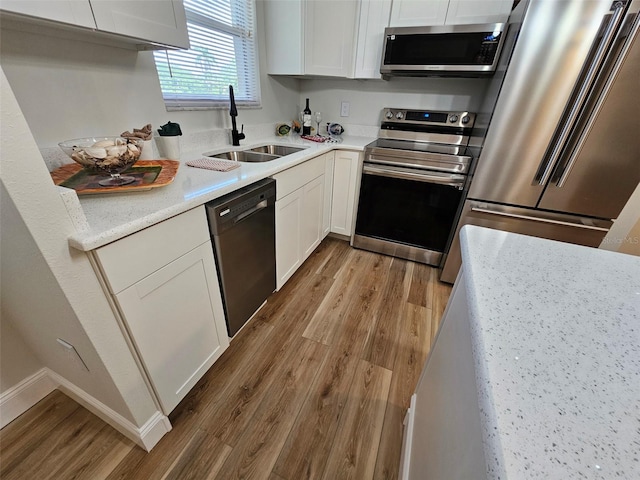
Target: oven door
(405, 212)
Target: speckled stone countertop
(556, 339)
(102, 219)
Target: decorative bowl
(109, 155)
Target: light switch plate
(344, 109)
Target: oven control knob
(465, 119)
(389, 115)
(453, 118)
(399, 115)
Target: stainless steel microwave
(450, 50)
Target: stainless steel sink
(279, 150)
(264, 153)
(245, 156)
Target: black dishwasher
(242, 227)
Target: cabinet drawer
(132, 258)
(292, 179)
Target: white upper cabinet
(478, 11)
(344, 38)
(157, 21)
(147, 24)
(412, 13)
(72, 12)
(329, 37)
(310, 37)
(416, 13)
(374, 18)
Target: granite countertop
(556, 341)
(102, 219)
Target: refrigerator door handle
(585, 132)
(538, 219)
(589, 78)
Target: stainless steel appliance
(242, 226)
(412, 184)
(458, 50)
(561, 155)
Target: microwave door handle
(590, 77)
(450, 180)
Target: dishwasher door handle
(260, 206)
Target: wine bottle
(306, 120)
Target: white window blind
(222, 53)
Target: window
(222, 53)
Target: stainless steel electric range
(413, 181)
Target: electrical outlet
(344, 109)
(72, 354)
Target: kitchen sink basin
(265, 153)
(279, 150)
(245, 156)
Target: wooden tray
(148, 174)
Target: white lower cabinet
(312, 215)
(165, 285)
(170, 315)
(328, 193)
(288, 234)
(345, 182)
(300, 214)
(443, 431)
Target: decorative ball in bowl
(109, 155)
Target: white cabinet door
(72, 12)
(288, 233)
(328, 193)
(416, 13)
(312, 215)
(310, 37)
(159, 21)
(345, 177)
(176, 320)
(329, 37)
(284, 25)
(374, 18)
(446, 434)
(478, 11)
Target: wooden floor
(315, 386)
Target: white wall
(49, 290)
(367, 98)
(17, 360)
(69, 89)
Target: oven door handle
(452, 180)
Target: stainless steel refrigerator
(560, 150)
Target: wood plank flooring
(316, 386)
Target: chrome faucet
(233, 111)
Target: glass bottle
(306, 120)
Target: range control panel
(428, 117)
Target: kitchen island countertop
(556, 343)
(114, 216)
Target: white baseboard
(26, 394)
(21, 397)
